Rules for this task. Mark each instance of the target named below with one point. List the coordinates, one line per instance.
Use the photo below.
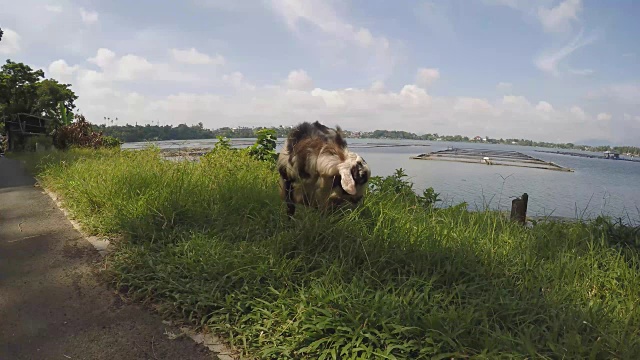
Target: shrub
(111, 142)
(265, 147)
(80, 134)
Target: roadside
(52, 303)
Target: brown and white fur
(318, 170)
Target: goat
(318, 170)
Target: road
(53, 303)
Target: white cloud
(377, 86)
(126, 68)
(104, 57)
(473, 106)
(88, 17)
(504, 86)
(604, 117)
(10, 43)
(299, 80)
(578, 112)
(559, 18)
(61, 71)
(629, 117)
(544, 106)
(317, 23)
(426, 76)
(519, 102)
(132, 67)
(237, 81)
(53, 8)
(194, 57)
(626, 94)
(550, 61)
(295, 98)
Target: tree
(1, 33)
(51, 94)
(24, 90)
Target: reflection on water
(598, 186)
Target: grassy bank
(209, 241)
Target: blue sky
(540, 69)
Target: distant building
(19, 127)
(611, 155)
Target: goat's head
(354, 174)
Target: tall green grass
(209, 241)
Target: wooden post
(519, 209)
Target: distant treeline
(134, 133)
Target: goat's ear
(347, 181)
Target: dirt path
(52, 303)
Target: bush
(265, 147)
(80, 134)
(111, 142)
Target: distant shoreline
(140, 133)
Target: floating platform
(491, 157)
(177, 152)
(584, 155)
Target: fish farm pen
(490, 157)
(179, 150)
(606, 155)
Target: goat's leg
(291, 206)
(286, 190)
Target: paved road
(52, 303)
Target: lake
(597, 186)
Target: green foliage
(133, 133)
(209, 243)
(265, 147)
(65, 117)
(429, 198)
(110, 142)
(397, 185)
(223, 143)
(24, 90)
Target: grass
(209, 242)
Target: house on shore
(19, 127)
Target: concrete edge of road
(210, 341)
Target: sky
(546, 70)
